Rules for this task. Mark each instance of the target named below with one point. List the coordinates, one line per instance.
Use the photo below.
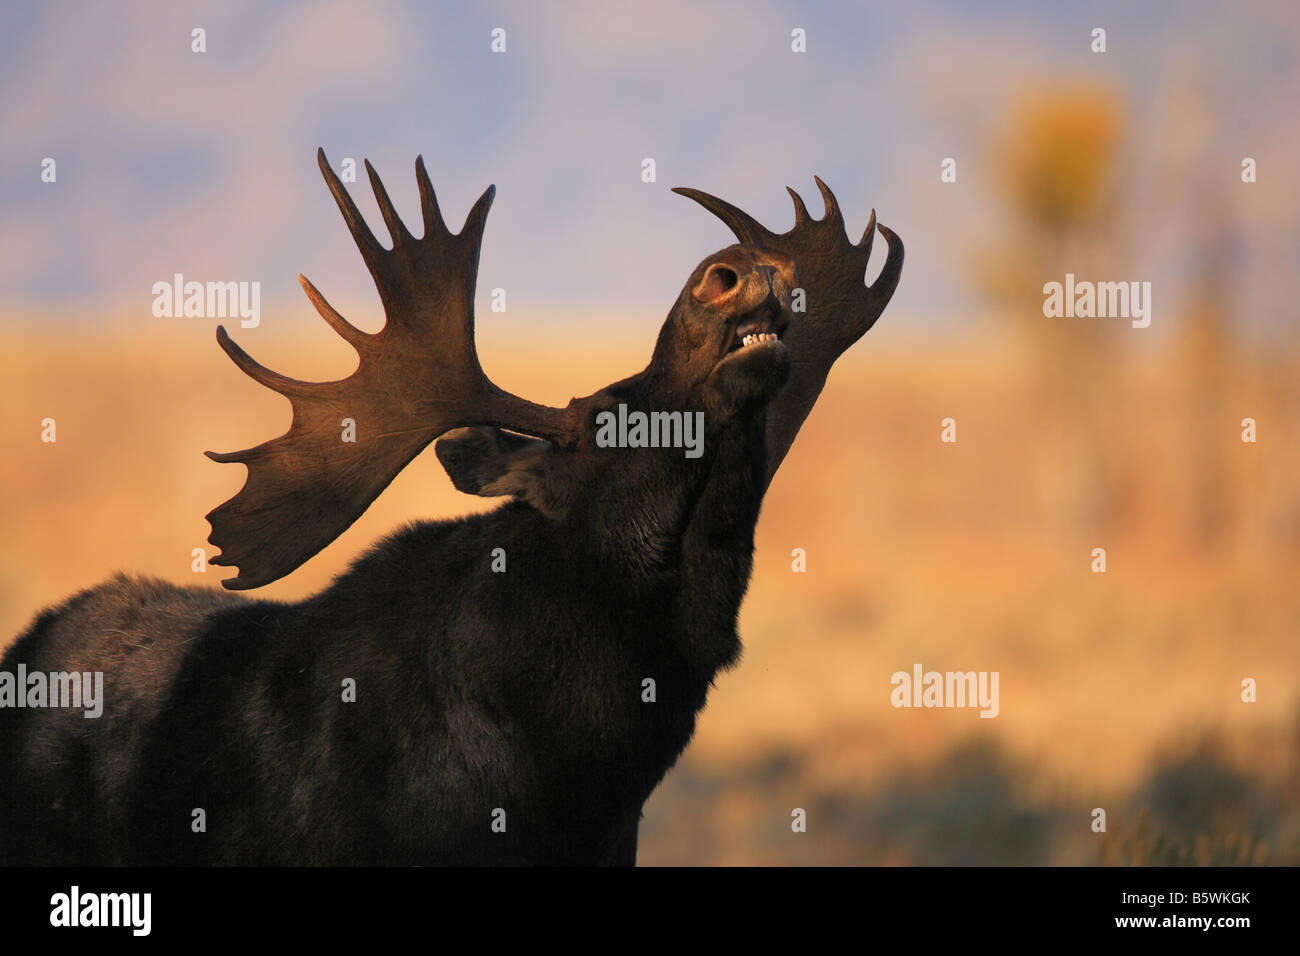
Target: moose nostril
(718, 282)
(725, 279)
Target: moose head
(751, 337)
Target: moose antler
(841, 307)
(418, 377)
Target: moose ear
(488, 461)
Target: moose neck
(717, 546)
(683, 528)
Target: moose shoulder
(503, 688)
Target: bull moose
(470, 691)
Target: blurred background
(1119, 690)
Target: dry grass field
(1119, 690)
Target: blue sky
(170, 161)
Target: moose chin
(506, 688)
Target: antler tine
(396, 228)
(433, 223)
(346, 330)
(800, 210)
(883, 288)
(258, 372)
(745, 226)
(832, 213)
(477, 218)
(371, 250)
(867, 237)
